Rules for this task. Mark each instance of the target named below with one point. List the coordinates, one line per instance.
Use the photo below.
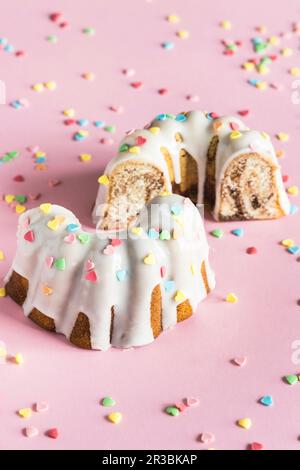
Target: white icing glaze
(72, 293)
(197, 130)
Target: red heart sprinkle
(163, 271)
(285, 178)
(252, 250)
(140, 140)
(91, 276)
(19, 178)
(136, 84)
(53, 433)
(256, 446)
(29, 236)
(244, 112)
(163, 91)
(68, 122)
(116, 242)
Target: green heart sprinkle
(20, 198)
(291, 379)
(172, 411)
(108, 401)
(60, 264)
(217, 233)
(84, 238)
(124, 148)
(165, 235)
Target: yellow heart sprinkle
(154, 130)
(103, 180)
(265, 135)
(245, 423)
(85, 157)
(9, 198)
(50, 85)
(70, 112)
(3, 352)
(287, 52)
(173, 18)
(53, 224)
(175, 234)
(20, 209)
(46, 208)
(263, 70)
(274, 40)
(179, 296)
(137, 231)
(295, 71)
(288, 243)
(262, 85)
(1, 255)
(2, 292)
(283, 136)
(232, 298)
(47, 290)
(38, 87)
(149, 259)
(293, 190)
(19, 359)
(25, 413)
(115, 417)
(249, 66)
(136, 149)
(193, 269)
(235, 135)
(183, 34)
(40, 154)
(225, 24)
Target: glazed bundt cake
(210, 159)
(105, 289)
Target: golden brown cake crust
(81, 334)
(184, 311)
(17, 288)
(42, 320)
(156, 311)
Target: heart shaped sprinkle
(232, 298)
(240, 361)
(84, 238)
(149, 259)
(108, 401)
(137, 231)
(41, 407)
(103, 180)
(172, 411)
(91, 276)
(165, 235)
(109, 250)
(53, 224)
(153, 234)
(31, 431)
(49, 261)
(245, 423)
(124, 148)
(140, 140)
(121, 275)
(207, 438)
(256, 446)
(176, 209)
(135, 150)
(217, 233)
(238, 232)
(89, 265)
(115, 417)
(60, 264)
(235, 135)
(291, 379)
(29, 236)
(46, 208)
(179, 296)
(52, 433)
(267, 400)
(169, 286)
(192, 401)
(163, 271)
(47, 290)
(115, 242)
(25, 413)
(234, 126)
(70, 239)
(73, 228)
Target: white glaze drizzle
(72, 293)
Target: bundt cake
(107, 289)
(210, 159)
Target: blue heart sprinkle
(180, 118)
(161, 117)
(82, 122)
(73, 228)
(99, 123)
(153, 234)
(169, 286)
(294, 250)
(238, 232)
(294, 210)
(267, 400)
(121, 275)
(176, 210)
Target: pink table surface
(193, 359)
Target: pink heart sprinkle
(192, 401)
(109, 250)
(70, 238)
(240, 361)
(115, 242)
(31, 431)
(91, 276)
(140, 140)
(49, 261)
(181, 407)
(29, 236)
(234, 126)
(206, 437)
(256, 446)
(89, 265)
(41, 407)
(107, 141)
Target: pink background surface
(193, 359)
